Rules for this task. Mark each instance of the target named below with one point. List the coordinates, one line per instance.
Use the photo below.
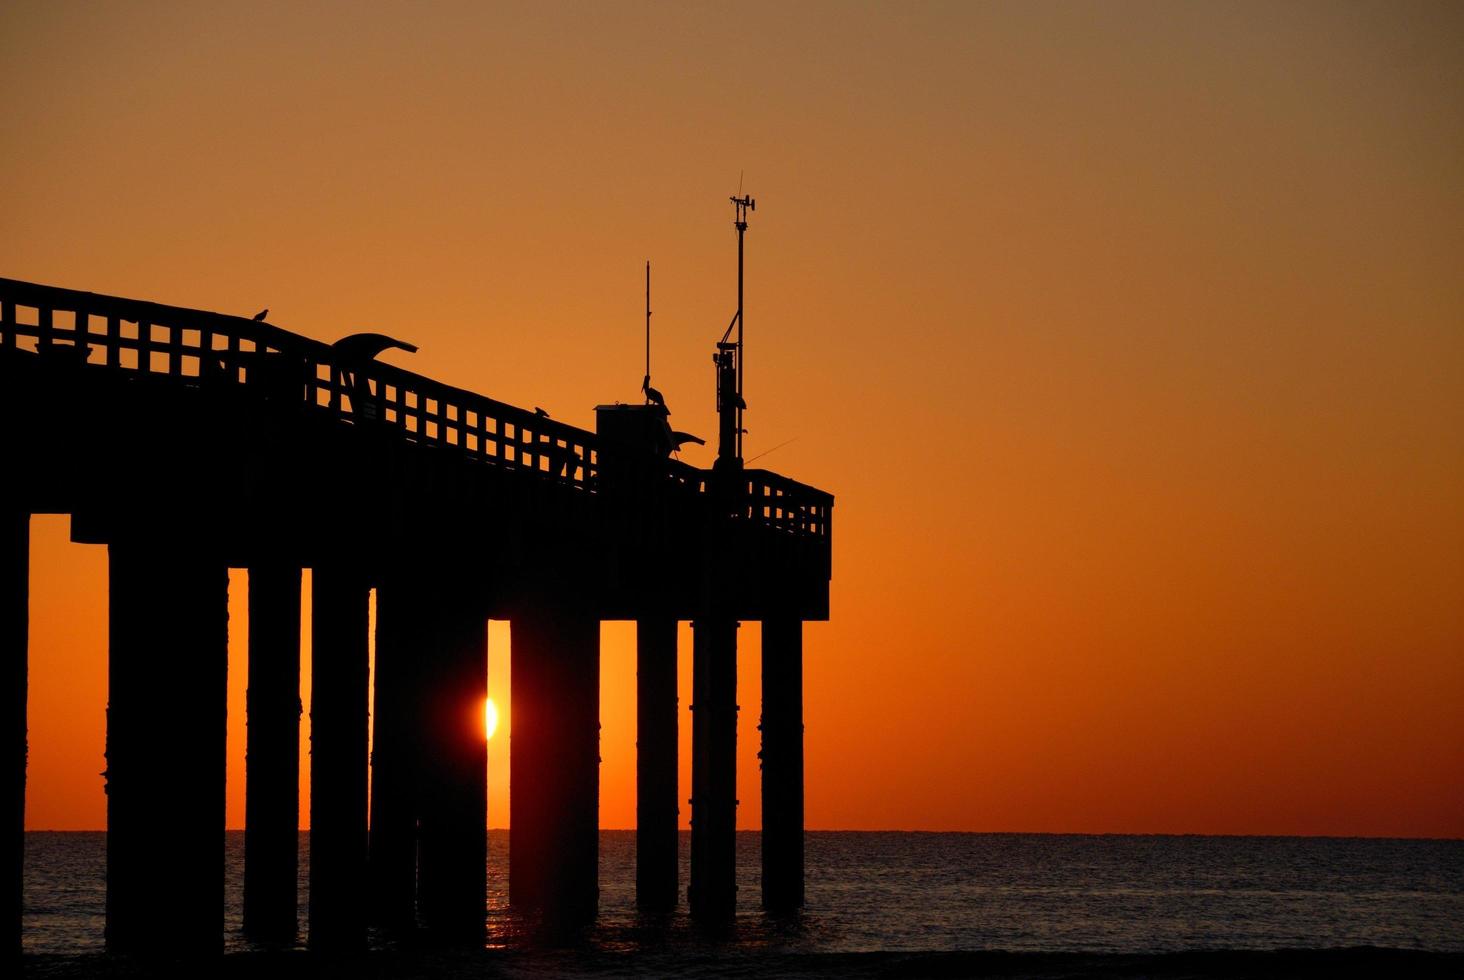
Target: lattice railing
(787, 505)
(195, 348)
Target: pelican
(365, 346)
(354, 351)
(655, 397)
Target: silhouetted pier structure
(191, 442)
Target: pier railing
(196, 348)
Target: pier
(191, 442)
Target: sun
(490, 717)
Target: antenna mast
(728, 359)
(741, 205)
(646, 384)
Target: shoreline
(534, 964)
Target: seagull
(679, 439)
(540, 412)
(259, 317)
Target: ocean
(939, 892)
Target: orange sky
(1128, 336)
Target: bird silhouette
(353, 352)
(259, 317)
(654, 396)
(679, 439)
(365, 346)
(540, 412)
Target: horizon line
(896, 830)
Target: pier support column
(554, 766)
(656, 845)
(782, 765)
(272, 755)
(713, 891)
(14, 666)
(402, 619)
(166, 704)
(453, 841)
(338, 760)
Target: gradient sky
(1130, 338)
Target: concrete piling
(657, 886)
(712, 894)
(338, 760)
(782, 765)
(453, 843)
(272, 762)
(554, 764)
(166, 704)
(14, 669)
(396, 755)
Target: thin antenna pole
(742, 204)
(741, 232)
(647, 333)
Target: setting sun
(490, 717)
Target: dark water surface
(920, 892)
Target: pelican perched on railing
(356, 350)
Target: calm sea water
(916, 891)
